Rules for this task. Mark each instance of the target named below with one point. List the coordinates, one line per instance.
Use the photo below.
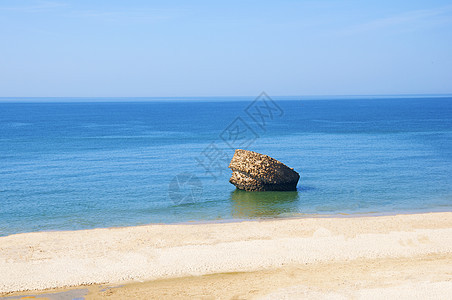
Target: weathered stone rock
(252, 171)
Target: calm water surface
(85, 165)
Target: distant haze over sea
(214, 98)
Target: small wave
(340, 122)
(17, 124)
(306, 188)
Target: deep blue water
(85, 165)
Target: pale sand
(403, 255)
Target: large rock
(252, 171)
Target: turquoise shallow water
(84, 165)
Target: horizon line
(54, 99)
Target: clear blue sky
(224, 48)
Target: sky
(224, 48)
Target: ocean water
(66, 166)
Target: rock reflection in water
(263, 204)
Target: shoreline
(127, 255)
(257, 219)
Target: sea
(81, 163)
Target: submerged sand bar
(43, 260)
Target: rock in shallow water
(252, 171)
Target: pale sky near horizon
(224, 48)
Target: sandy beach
(404, 255)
